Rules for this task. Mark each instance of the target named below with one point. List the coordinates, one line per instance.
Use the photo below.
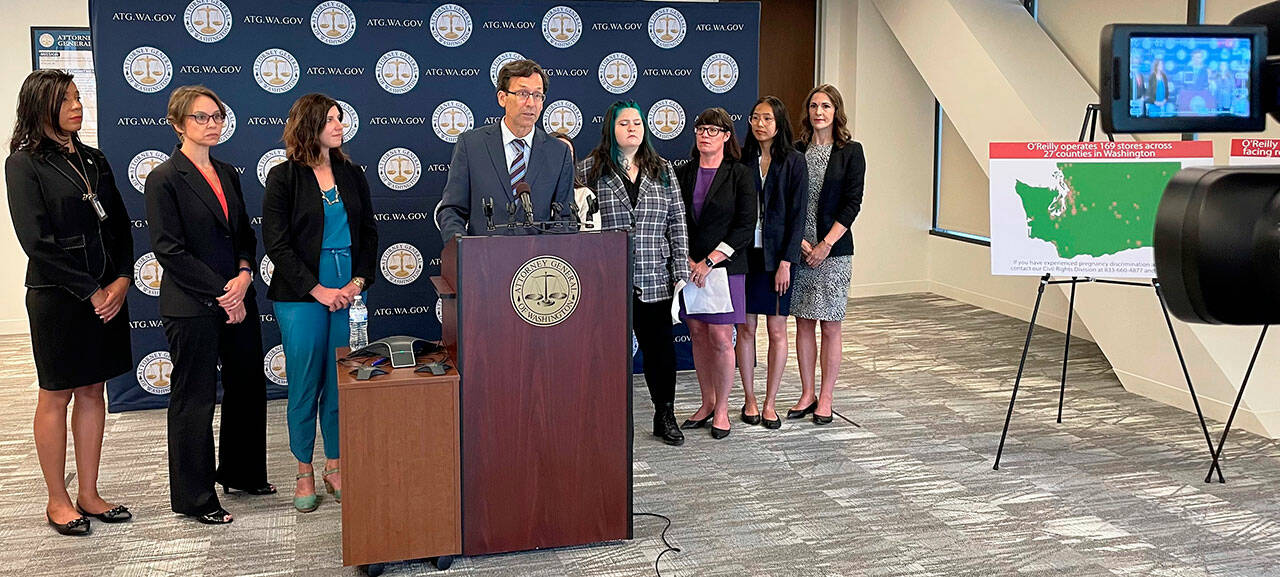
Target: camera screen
(1182, 77)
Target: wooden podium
(539, 327)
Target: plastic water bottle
(359, 321)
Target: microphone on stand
(522, 194)
(511, 215)
(556, 209)
(573, 208)
(593, 206)
(487, 203)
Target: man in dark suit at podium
(489, 162)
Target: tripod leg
(1044, 280)
(1066, 350)
(1195, 400)
(1240, 395)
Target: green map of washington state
(1097, 208)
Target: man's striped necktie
(520, 164)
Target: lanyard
(88, 195)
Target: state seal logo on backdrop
(147, 274)
(397, 72)
(268, 161)
(350, 121)
(208, 20)
(501, 61)
(228, 125)
(266, 269)
(667, 27)
(719, 73)
(46, 40)
(333, 23)
(666, 119)
(451, 25)
(153, 372)
(562, 115)
(147, 69)
(545, 291)
(618, 72)
(562, 27)
(451, 119)
(142, 165)
(399, 169)
(276, 70)
(273, 366)
(401, 263)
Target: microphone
(573, 209)
(556, 209)
(487, 203)
(522, 194)
(511, 214)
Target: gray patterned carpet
(1117, 489)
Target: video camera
(1217, 230)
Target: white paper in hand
(712, 297)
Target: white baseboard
(1008, 308)
(1265, 423)
(888, 288)
(14, 327)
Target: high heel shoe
(218, 516)
(267, 489)
(306, 503)
(692, 424)
(73, 528)
(328, 487)
(794, 414)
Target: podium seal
(545, 291)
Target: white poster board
(1081, 208)
(70, 50)
(1254, 151)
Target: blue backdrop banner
(410, 77)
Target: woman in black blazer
(201, 235)
(782, 181)
(721, 208)
(836, 171)
(72, 225)
(318, 229)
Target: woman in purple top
(721, 209)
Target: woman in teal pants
(318, 228)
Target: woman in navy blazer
(201, 235)
(782, 181)
(720, 207)
(836, 171)
(318, 229)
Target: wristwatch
(710, 263)
(248, 270)
(359, 281)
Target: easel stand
(1088, 126)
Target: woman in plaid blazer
(638, 192)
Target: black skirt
(761, 298)
(72, 346)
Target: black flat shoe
(117, 514)
(267, 489)
(73, 528)
(821, 420)
(218, 516)
(774, 424)
(719, 433)
(692, 424)
(750, 419)
(794, 414)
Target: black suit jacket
(199, 248)
(293, 227)
(784, 197)
(728, 214)
(840, 199)
(65, 243)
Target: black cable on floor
(664, 539)
(837, 413)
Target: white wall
(15, 44)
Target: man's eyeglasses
(203, 119)
(525, 95)
(709, 130)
